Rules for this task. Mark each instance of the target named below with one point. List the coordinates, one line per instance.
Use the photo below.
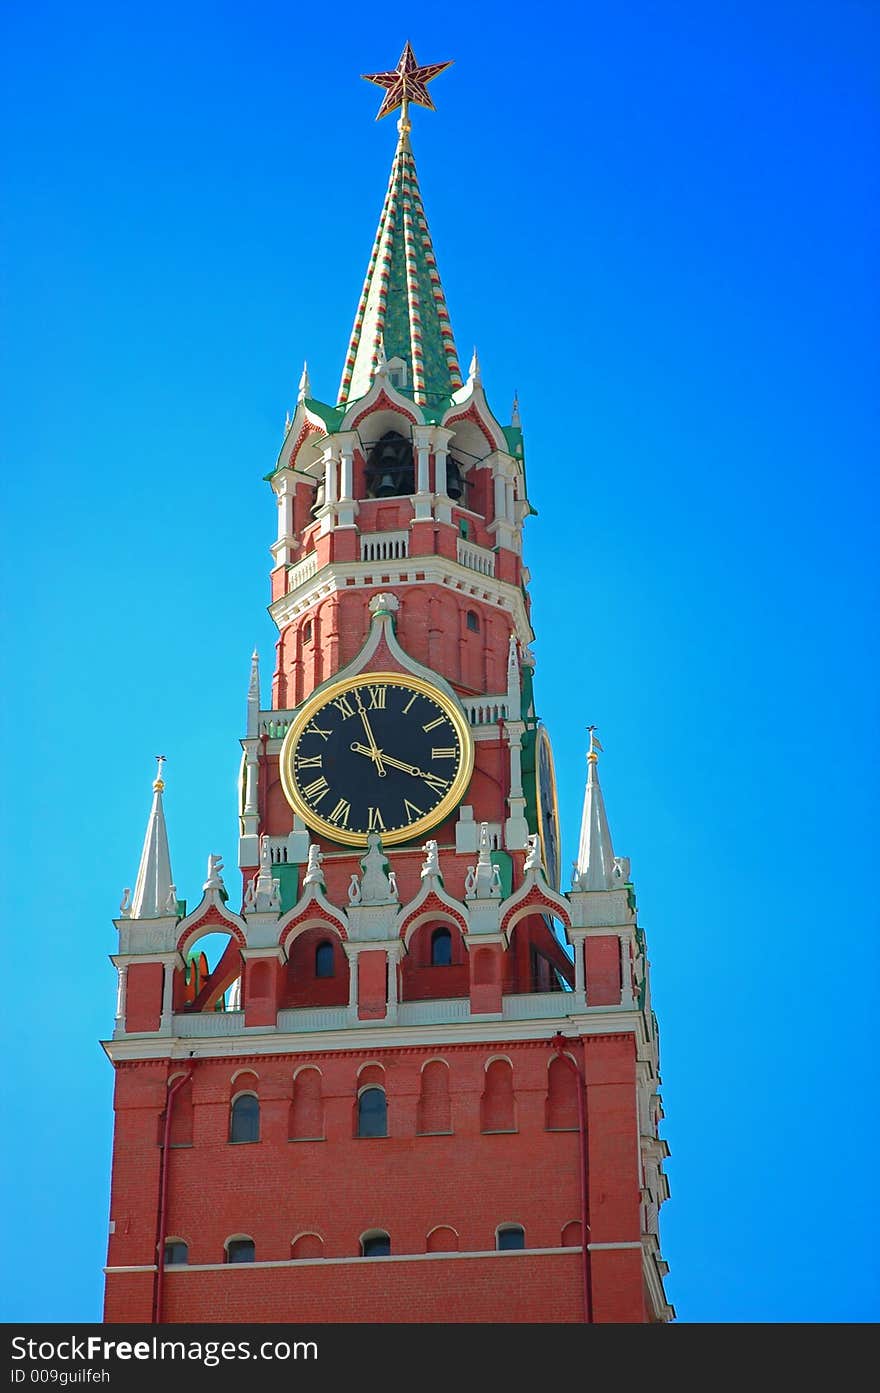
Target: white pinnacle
(305, 386)
(154, 889)
(474, 374)
(594, 869)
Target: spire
(514, 415)
(402, 305)
(155, 894)
(253, 696)
(474, 374)
(305, 386)
(594, 868)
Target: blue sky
(659, 224)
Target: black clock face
(548, 813)
(379, 753)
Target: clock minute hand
(433, 779)
(375, 752)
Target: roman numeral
(308, 761)
(409, 703)
(316, 730)
(340, 813)
(344, 705)
(435, 783)
(443, 752)
(432, 725)
(377, 698)
(374, 821)
(317, 790)
(412, 812)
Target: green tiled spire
(402, 309)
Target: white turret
(155, 894)
(594, 868)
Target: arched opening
(497, 1105)
(509, 1237)
(244, 1118)
(240, 1250)
(210, 979)
(307, 1245)
(317, 972)
(390, 468)
(376, 1244)
(434, 1108)
(435, 965)
(307, 1107)
(571, 1234)
(442, 1239)
(181, 1131)
(536, 960)
(176, 1252)
(473, 621)
(372, 1113)
(562, 1100)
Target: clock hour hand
(433, 780)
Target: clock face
(382, 752)
(548, 810)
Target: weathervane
(404, 84)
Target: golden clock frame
(329, 693)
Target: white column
(120, 993)
(352, 980)
(516, 828)
(166, 1023)
(285, 512)
(626, 995)
(250, 811)
(347, 484)
(579, 983)
(500, 498)
(510, 511)
(329, 479)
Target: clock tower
(402, 1075)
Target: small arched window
(307, 631)
(376, 1245)
(510, 1236)
(176, 1253)
(473, 621)
(240, 1250)
(244, 1120)
(324, 966)
(441, 948)
(372, 1113)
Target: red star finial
(406, 83)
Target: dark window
(175, 1253)
(473, 621)
(463, 531)
(372, 1113)
(307, 631)
(244, 1123)
(441, 948)
(377, 1245)
(324, 960)
(240, 1250)
(510, 1237)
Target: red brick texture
(450, 1162)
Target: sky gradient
(658, 223)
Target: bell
(319, 498)
(454, 485)
(386, 486)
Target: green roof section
(402, 310)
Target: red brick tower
(418, 1082)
